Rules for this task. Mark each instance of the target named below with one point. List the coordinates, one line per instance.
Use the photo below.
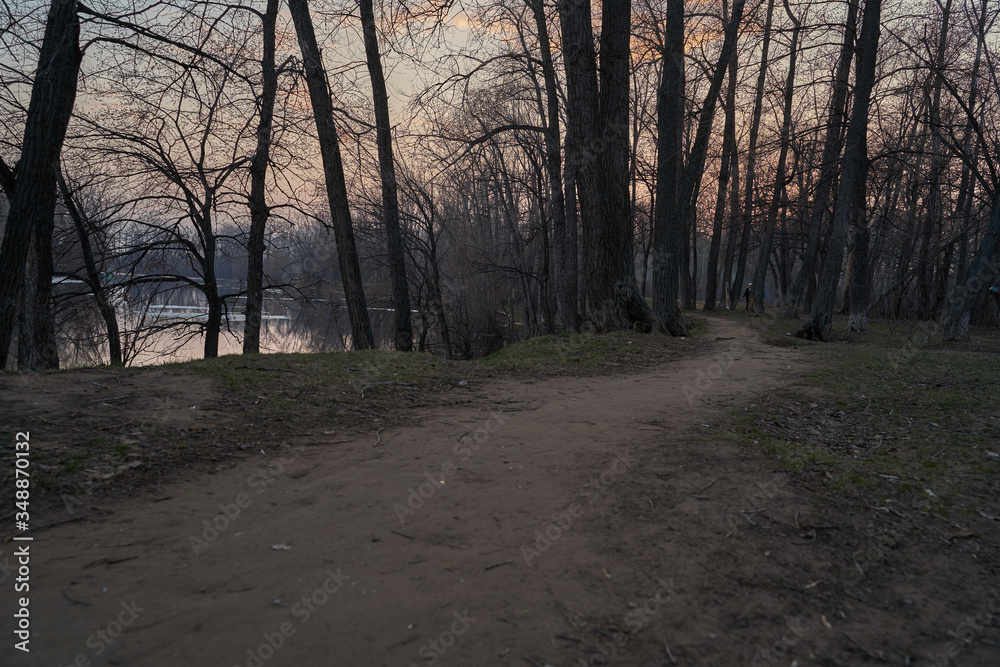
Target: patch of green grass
(72, 462)
(121, 450)
(890, 409)
(321, 386)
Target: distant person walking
(748, 295)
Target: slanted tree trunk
(778, 190)
(820, 322)
(725, 169)
(259, 211)
(94, 281)
(828, 166)
(32, 205)
(751, 173)
(387, 170)
(333, 169)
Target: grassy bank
(893, 412)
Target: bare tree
(259, 211)
(598, 118)
(673, 211)
(387, 171)
(778, 190)
(33, 200)
(820, 322)
(333, 169)
(828, 166)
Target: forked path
(553, 521)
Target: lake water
(170, 332)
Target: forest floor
(735, 497)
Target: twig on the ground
(877, 656)
(666, 649)
(112, 398)
(812, 538)
(73, 599)
(396, 532)
(496, 565)
(378, 440)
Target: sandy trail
(639, 495)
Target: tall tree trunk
(828, 166)
(602, 175)
(725, 167)
(387, 170)
(982, 271)
(985, 264)
(437, 294)
(210, 287)
(333, 169)
(734, 204)
(820, 322)
(778, 190)
(751, 174)
(668, 226)
(970, 149)
(934, 213)
(259, 211)
(104, 306)
(579, 300)
(36, 339)
(611, 275)
(565, 278)
(859, 279)
(672, 211)
(32, 206)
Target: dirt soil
(563, 521)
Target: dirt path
(553, 522)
